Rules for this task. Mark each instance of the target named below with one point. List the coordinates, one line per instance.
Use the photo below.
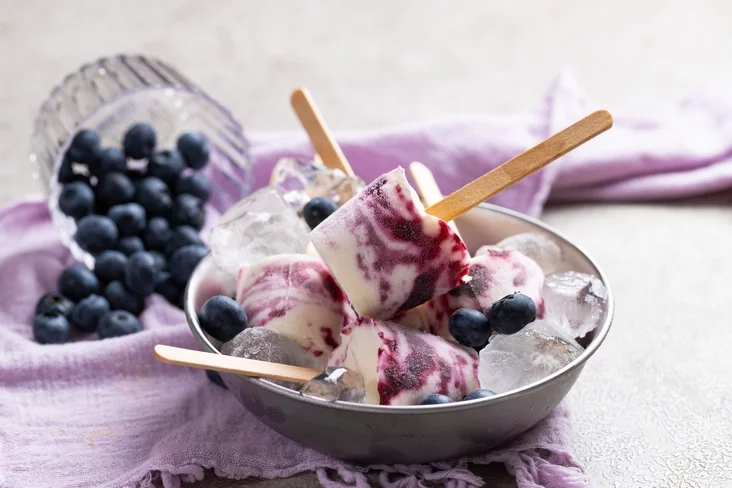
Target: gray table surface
(652, 408)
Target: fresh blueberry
(118, 323)
(110, 266)
(436, 399)
(157, 233)
(142, 273)
(130, 245)
(161, 264)
(51, 328)
(85, 147)
(76, 200)
(66, 171)
(112, 159)
(317, 210)
(482, 393)
(184, 261)
(129, 218)
(194, 148)
(215, 378)
(76, 282)
(54, 303)
(512, 313)
(139, 141)
(114, 189)
(188, 210)
(86, 314)
(96, 233)
(169, 289)
(154, 195)
(180, 237)
(166, 165)
(196, 184)
(469, 327)
(223, 318)
(120, 298)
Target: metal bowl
(409, 434)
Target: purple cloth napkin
(106, 414)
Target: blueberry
(469, 327)
(130, 245)
(136, 175)
(157, 233)
(317, 210)
(215, 378)
(184, 261)
(223, 318)
(512, 313)
(194, 148)
(482, 393)
(76, 282)
(76, 200)
(188, 210)
(153, 194)
(120, 298)
(96, 233)
(142, 273)
(129, 218)
(139, 141)
(196, 184)
(85, 147)
(110, 266)
(54, 303)
(118, 323)
(86, 314)
(112, 159)
(169, 289)
(66, 171)
(114, 189)
(182, 236)
(436, 399)
(166, 165)
(51, 328)
(161, 264)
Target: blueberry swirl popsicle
(386, 253)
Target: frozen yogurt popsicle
(386, 253)
(296, 296)
(402, 366)
(493, 275)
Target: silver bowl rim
(602, 331)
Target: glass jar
(110, 95)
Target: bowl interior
(486, 224)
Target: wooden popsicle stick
(521, 166)
(320, 136)
(230, 364)
(427, 187)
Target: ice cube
(541, 348)
(300, 180)
(336, 383)
(580, 297)
(261, 225)
(267, 345)
(546, 252)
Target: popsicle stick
(521, 166)
(230, 364)
(427, 187)
(320, 136)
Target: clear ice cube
(580, 297)
(512, 361)
(546, 252)
(300, 180)
(261, 225)
(336, 383)
(267, 345)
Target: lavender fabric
(106, 414)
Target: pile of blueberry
(138, 211)
(471, 328)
